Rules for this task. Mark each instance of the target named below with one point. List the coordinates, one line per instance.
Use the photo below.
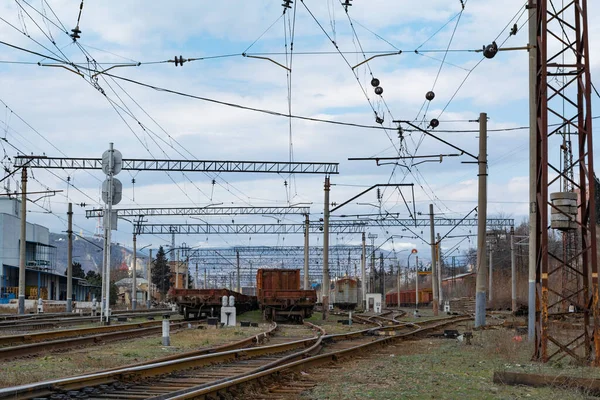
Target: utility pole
(433, 263)
(23, 239)
(325, 288)
(480, 297)
(196, 278)
(533, 229)
(372, 236)
(398, 284)
(513, 271)
(439, 269)
(417, 283)
(239, 287)
(69, 258)
(176, 269)
(306, 242)
(491, 276)
(104, 264)
(382, 269)
(149, 298)
(363, 271)
(205, 279)
(134, 275)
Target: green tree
(78, 271)
(94, 279)
(161, 273)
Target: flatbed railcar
(408, 297)
(208, 302)
(280, 297)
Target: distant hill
(88, 253)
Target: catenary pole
(325, 285)
(481, 283)
(306, 243)
(133, 274)
(433, 262)
(22, 243)
(532, 7)
(149, 298)
(363, 271)
(70, 258)
(513, 272)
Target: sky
(312, 52)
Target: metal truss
(148, 212)
(251, 229)
(274, 167)
(563, 99)
(273, 251)
(337, 226)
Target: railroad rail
(199, 377)
(51, 322)
(79, 337)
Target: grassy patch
(94, 358)
(441, 369)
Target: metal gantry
(337, 226)
(208, 210)
(563, 100)
(274, 167)
(270, 251)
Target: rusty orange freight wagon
(279, 295)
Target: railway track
(49, 341)
(52, 322)
(206, 375)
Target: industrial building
(42, 280)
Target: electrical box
(374, 302)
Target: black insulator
(379, 120)
(374, 82)
(490, 50)
(286, 3)
(76, 33)
(179, 61)
(430, 95)
(434, 123)
(379, 90)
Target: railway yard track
(210, 372)
(27, 344)
(44, 321)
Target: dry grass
(95, 358)
(440, 369)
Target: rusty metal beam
(563, 98)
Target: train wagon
(344, 293)
(280, 297)
(207, 302)
(407, 298)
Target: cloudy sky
(56, 112)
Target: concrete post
(166, 334)
(433, 262)
(532, 165)
(325, 284)
(196, 286)
(306, 254)
(491, 276)
(239, 287)
(363, 271)
(417, 283)
(177, 270)
(205, 279)
(23, 242)
(481, 284)
(149, 297)
(513, 271)
(134, 275)
(70, 258)
(439, 270)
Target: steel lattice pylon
(563, 100)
